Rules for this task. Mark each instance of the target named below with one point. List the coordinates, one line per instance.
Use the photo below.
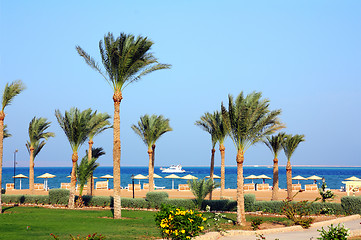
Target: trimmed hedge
(186, 203)
(156, 199)
(18, 199)
(351, 205)
(59, 196)
(36, 199)
(231, 205)
(269, 206)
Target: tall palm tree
(100, 123)
(249, 120)
(274, 143)
(207, 123)
(6, 132)
(221, 132)
(150, 129)
(126, 59)
(37, 128)
(289, 145)
(77, 125)
(10, 91)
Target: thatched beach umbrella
(263, 177)
(251, 177)
(353, 178)
(214, 176)
(314, 178)
(172, 176)
(139, 177)
(107, 177)
(20, 176)
(188, 177)
(299, 178)
(46, 176)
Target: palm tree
(84, 171)
(221, 133)
(77, 125)
(100, 123)
(10, 91)
(274, 143)
(37, 128)
(249, 120)
(6, 132)
(201, 188)
(207, 123)
(289, 145)
(126, 59)
(150, 129)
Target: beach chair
(146, 186)
(65, 185)
(137, 187)
(84, 188)
(156, 187)
(183, 187)
(9, 186)
(39, 186)
(101, 185)
(296, 187)
(311, 187)
(249, 187)
(263, 187)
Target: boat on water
(173, 169)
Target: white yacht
(173, 169)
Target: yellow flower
(176, 232)
(190, 220)
(188, 237)
(201, 227)
(166, 231)
(191, 212)
(204, 219)
(183, 231)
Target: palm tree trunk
(117, 98)
(150, 170)
(2, 116)
(212, 170)
(74, 159)
(289, 179)
(31, 170)
(275, 180)
(241, 214)
(90, 182)
(223, 170)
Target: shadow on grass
(7, 208)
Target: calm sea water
(333, 175)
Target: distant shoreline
(185, 166)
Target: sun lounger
(311, 187)
(65, 185)
(249, 187)
(101, 185)
(296, 187)
(183, 187)
(137, 187)
(9, 186)
(155, 187)
(145, 186)
(263, 187)
(39, 186)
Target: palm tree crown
(6, 132)
(290, 144)
(126, 59)
(37, 128)
(10, 92)
(208, 124)
(76, 124)
(151, 128)
(274, 143)
(249, 119)
(100, 123)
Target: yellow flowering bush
(179, 223)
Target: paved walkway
(307, 234)
(287, 233)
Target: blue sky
(304, 56)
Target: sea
(333, 175)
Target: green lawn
(38, 223)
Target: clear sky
(304, 56)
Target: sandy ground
(228, 194)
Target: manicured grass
(39, 223)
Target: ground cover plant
(39, 223)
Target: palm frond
(291, 143)
(6, 132)
(96, 152)
(274, 143)
(201, 188)
(10, 91)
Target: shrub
(339, 232)
(255, 223)
(298, 212)
(155, 199)
(94, 236)
(230, 205)
(98, 201)
(185, 203)
(59, 196)
(269, 206)
(351, 204)
(249, 202)
(17, 199)
(36, 199)
(135, 203)
(178, 223)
